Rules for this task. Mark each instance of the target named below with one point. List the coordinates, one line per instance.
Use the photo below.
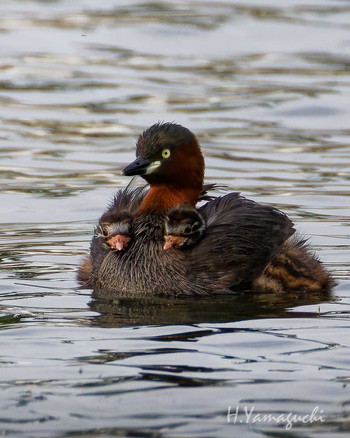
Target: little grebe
(241, 245)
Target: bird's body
(240, 244)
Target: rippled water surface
(266, 87)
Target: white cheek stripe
(152, 167)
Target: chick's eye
(187, 229)
(104, 230)
(195, 226)
(166, 153)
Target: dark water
(266, 87)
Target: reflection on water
(239, 307)
(265, 86)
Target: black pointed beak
(137, 167)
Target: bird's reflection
(119, 312)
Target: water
(266, 87)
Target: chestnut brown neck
(163, 197)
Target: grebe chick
(116, 229)
(113, 232)
(184, 226)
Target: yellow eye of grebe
(166, 153)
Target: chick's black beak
(137, 167)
